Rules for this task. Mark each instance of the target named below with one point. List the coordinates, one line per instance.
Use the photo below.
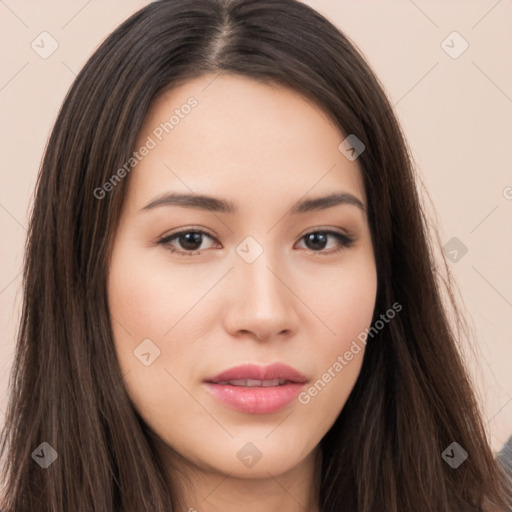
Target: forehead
(228, 134)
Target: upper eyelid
(204, 232)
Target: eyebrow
(213, 204)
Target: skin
(263, 148)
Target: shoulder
(505, 457)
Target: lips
(252, 372)
(257, 389)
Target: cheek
(344, 301)
(147, 296)
(147, 317)
(145, 304)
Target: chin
(256, 457)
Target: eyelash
(345, 241)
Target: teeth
(268, 383)
(253, 383)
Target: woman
(230, 295)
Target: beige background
(456, 114)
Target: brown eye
(185, 243)
(317, 241)
(189, 243)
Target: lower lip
(256, 400)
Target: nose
(262, 303)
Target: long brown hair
(413, 397)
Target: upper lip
(256, 372)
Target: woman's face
(258, 277)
